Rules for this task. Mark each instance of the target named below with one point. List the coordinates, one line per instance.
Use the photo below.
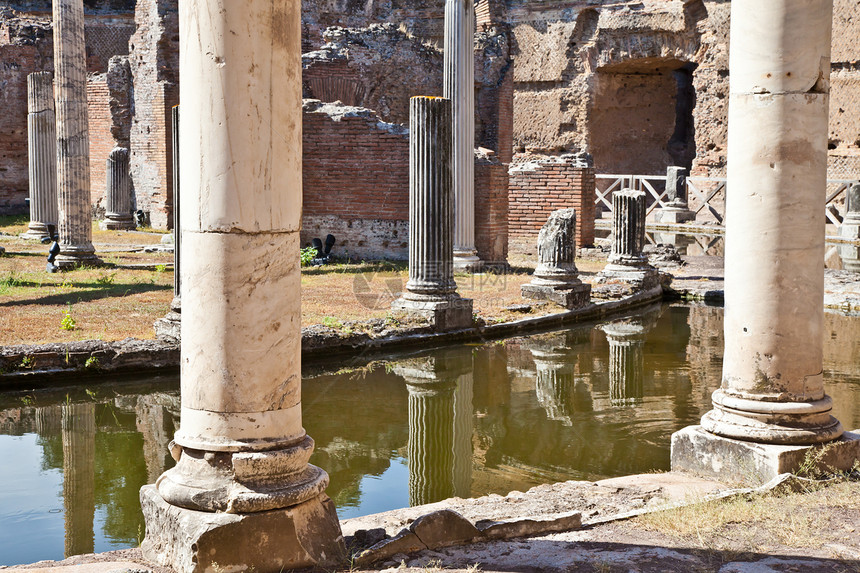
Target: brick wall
(537, 188)
(101, 140)
(355, 181)
(491, 209)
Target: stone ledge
(701, 453)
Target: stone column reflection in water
(555, 357)
(73, 143)
(627, 262)
(434, 431)
(850, 229)
(771, 401)
(242, 494)
(431, 291)
(42, 154)
(464, 418)
(79, 450)
(459, 87)
(626, 362)
(118, 208)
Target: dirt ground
(125, 297)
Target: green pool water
(586, 403)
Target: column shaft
(459, 87)
(118, 208)
(431, 271)
(772, 388)
(42, 151)
(73, 145)
(79, 450)
(431, 442)
(628, 227)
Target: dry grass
(115, 303)
(762, 523)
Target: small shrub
(106, 279)
(160, 268)
(332, 322)
(68, 322)
(26, 363)
(307, 255)
(92, 363)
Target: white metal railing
(703, 194)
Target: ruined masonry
(73, 160)
(242, 494)
(850, 229)
(556, 277)
(771, 406)
(42, 150)
(431, 292)
(676, 209)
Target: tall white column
(73, 142)
(459, 87)
(242, 494)
(42, 154)
(772, 389)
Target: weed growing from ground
(68, 321)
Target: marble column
(627, 262)
(771, 402)
(626, 361)
(118, 208)
(459, 87)
(431, 292)
(79, 450)
(676, 209)
(42, 154)
(242, 495)
(73, 143)
(556, 277)
(850, 230)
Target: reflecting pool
(584, 403)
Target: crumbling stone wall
(26, 46)
(491, 208)
(540, 185)
(154, 63)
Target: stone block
(570, 298)
(191, 541)
(638, 278)
(674, 215)
(403, 542)
(699, 452)
(444, 528)
(448, 314)
(530, 527)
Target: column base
(113, 222)
(640, 278)
(35, 232)
(674, 215)
(189, 541)
(571, 297)
(449, 313)
(467, 262)
(69, 262)
(168, 329)
(700, 452)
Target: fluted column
(626, 362)
(73, 143)
(42, 154)
(79, 450)
(850, 229)
(431, 290)
(772, 387)
(242, 495)
(627, 262)
(459, 87)
(431, 440)
(556, 277)
(118, 211)
(168, 329)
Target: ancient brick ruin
(572, 87)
